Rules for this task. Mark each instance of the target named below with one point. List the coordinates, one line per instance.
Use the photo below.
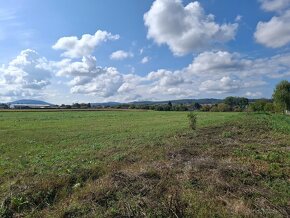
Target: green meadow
(143, 164)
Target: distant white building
(29, 106)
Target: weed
(192, 120)
(227, 134)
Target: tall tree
(281, 95)
(237, 102)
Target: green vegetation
(144, 164)
(237, 102)
(281, 95)
(192, 120)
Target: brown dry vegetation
(238, 169)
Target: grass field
(143, 163)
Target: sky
(68, 51)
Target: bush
(269, 107)
(278, 108)
(258, 105)
(192, 120)
(205, 108)
(214, 109)
(222, 107)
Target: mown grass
(144, 164)
(61, 141)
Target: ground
(144, 164)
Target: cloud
(103, 85)
(238, 18)
(274, 5)
(185, 29)
(214, 62)
(166, 78)
(220, 72)
(7, 15)
(75, 48)
(274, 33)
(145, 60)
(88, 78)
(223, 63)
(12, 27)
(121, 55)
(214, 73)
(253, 94)
(224, 85)
(86, 67)
(26, 75)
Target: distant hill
(106, 104)
(110, 104)
(180, 101)
(30, 101)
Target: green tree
(269, 107)
(205, 108)
(231, 101)
(281, 95)
(242, 103)
(222, 107)
(214, 109)
(258, 105)
(196, 106)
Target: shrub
(192, 120)
(258, 105)
(214, 109)
(222, 107)
(269, 107)
(205, 108)
(281, 95)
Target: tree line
(280, 102)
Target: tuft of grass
(192, 117)
(227, 134)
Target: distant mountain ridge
(30, 101)
(182, 101)
(110, 104)
(179, 101)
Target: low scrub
(192, 117)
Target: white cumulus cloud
(121, 55)
(26, 75)
(274, 33)
(216, 73)
(211, 73)
(224, 85)
(145, 60)
(253, 94)
(274, 5)
(187, 28)
(88, 78)
(75, 48)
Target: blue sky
(66, 51)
